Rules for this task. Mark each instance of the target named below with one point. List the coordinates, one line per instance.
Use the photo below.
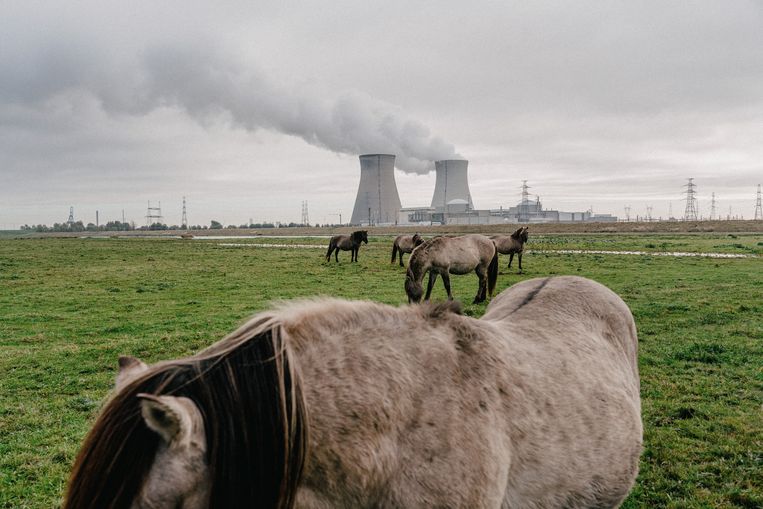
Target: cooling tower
(377, 201)
(451, 184)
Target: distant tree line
(78, 226)
(113, 226)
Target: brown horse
(329, 403)
(405, 244)
(512, 244)
(452, 255)
(347, 243)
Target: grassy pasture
(69, 307)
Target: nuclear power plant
(378, 203)
(451, 189)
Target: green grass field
(69, 307)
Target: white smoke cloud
(207, 85)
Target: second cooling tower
(451, 184)
(377, 201)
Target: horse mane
(517, 233)
(249, 394)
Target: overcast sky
(249, 108)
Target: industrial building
(378, 202)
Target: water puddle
(280, 246)
(676, 254)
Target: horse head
(523, 235)
(189, 433)
(417, 240)
(413, 287)
(179, 475)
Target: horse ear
(167, 416)
(129, 368)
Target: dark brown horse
(405, 244)
(347, 243)
(327, 403)
(452, 255)
(512, 244)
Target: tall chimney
(451, 183)
(377, 201)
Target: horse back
(419, 425)
(571, 303)
(343, 242)
(576, 407)
(506, 244)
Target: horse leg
(482, 288)
(511, 257)
(519, 257)
(355, 251)
(336, 254)
(401, 258)
(446, 282)
(430, 284)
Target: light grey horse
(328, 403)
(452, 255)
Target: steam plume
(205, 83)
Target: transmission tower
(524, 212)
(184, 220)
(758, 207)
(305, 218)
(154, 214)
(628, 213)
(649, 213)
(712, 207)
(71, 216)
(690, 214)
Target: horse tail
(331, 248)
(394, 251)
(492, 273)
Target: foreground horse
(405, 244)
(347, 243)
(452, 255)
(512, 244)
(330, 403)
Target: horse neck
(418, 267)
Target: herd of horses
(442, 256)
(324, 403)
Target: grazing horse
(329, 403)
(405, 244)
(347, 243)
(452, 255)
(512, 244)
